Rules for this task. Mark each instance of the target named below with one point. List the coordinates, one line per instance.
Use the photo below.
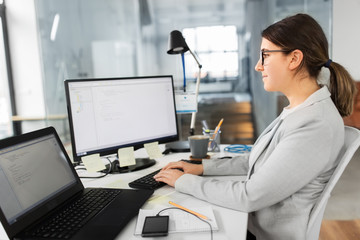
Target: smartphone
(155, 226)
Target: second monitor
(111, 113)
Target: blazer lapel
(262, 143)
(264, 139)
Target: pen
(217, 128)
(205, 126)
(188, 210)
(213, 142)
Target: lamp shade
(177, 43)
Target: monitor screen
(112, 113)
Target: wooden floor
(340, 230)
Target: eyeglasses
(262, 55)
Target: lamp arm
(197, 61)
(193, 116)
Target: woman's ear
(296, 58)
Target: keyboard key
(73, 217)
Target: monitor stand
(178, 146)
(141, 163)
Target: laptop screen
(32, 172)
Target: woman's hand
(168, 176)
(195, 169)
(171, 172)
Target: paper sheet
(126, 156)
(117, 184)
(185, 102)
(153, 150)
(93, 163)
(161, 196)
(180, 221)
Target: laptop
(40, 193)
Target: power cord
(82, 168)
(211, 230)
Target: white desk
(232, 224)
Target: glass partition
(112, 38)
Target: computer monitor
(106, 114)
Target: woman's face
(275, 69)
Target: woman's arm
(302, 159)
(236, 166)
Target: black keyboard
(147, 182)
(67, 222)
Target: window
(217, 48)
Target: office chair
(352, 142)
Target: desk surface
(232, 224)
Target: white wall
(346, 35)
(25, 58)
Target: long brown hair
(302, 32)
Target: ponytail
(302, 32)
(342, 88)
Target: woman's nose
(259, 67)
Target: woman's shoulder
(321, 114)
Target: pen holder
(214, 141)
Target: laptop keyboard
(66, 223)
(147, 182)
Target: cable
(109, 170)
(75, 164)
(238, 148)
(211, 231)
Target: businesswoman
(295, 156)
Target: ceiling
(192, 13)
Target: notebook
(37, 181)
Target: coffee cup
(198, 146)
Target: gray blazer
(287, 170)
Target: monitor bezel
(114, 149)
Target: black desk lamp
(177, 45)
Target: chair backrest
(352, 143)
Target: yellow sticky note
(93, 163)
(117, 184)
(153, 150)
(126, 156)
